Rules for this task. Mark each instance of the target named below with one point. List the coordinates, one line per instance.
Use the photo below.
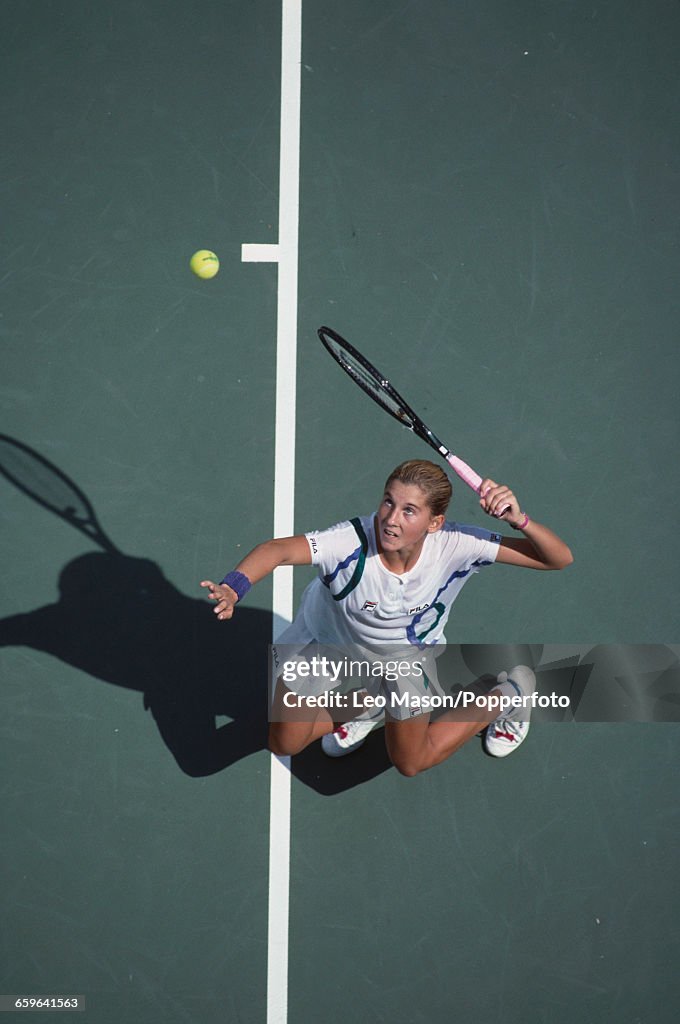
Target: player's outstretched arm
(539, 548)
(255, 566)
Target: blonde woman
(388, 580)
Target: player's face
(405, 518)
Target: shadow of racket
(37, 477)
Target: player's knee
(406, 766)
(282, 743)
(277, 745)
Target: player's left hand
(496, 497)
(224, 596)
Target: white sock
(508, 689)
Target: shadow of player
(120, 620)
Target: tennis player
(388, 581)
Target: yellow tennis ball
(204, 264)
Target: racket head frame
(378, 387)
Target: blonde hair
(431, 479)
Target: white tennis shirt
(356, 599)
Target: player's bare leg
(291, 729)
(418, 743)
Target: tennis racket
(375, 384)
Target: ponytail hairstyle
(431, 479)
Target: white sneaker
(349, 736)
(510, 729)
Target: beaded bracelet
(238, 582)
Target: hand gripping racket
(388, 398)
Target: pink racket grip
(464, 471)
(467, 474)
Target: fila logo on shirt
(370, 606)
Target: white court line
(285, 253)
(259, 252)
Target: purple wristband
(527, 520)
(238, 582)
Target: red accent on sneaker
(342, 732)
(506, 735)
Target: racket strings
(378, 389)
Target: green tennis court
(486, 203)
